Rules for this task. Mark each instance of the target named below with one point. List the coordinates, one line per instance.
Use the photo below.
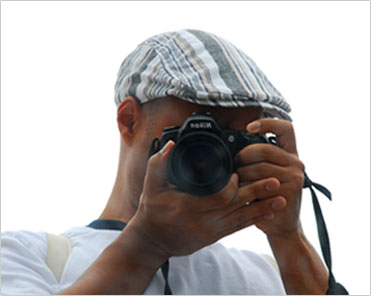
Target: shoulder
(24, 270)
(24, 242)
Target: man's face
(173, 112)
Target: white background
(59, 137)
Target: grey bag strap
(59, 248)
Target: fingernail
(253, 126)
(165, 149)
(271, 185)
(269, 216)
(278, 204)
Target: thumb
(156, 176)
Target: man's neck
(119, 206)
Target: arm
(124, 267)
(302, 270)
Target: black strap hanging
(165, 273)
(334, 288)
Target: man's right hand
(177, 223)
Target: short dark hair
(152, 109)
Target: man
(151, 235)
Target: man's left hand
(281, 168)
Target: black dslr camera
(202, 160)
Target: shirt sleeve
(23, 266)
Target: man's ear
(128, 115)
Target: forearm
(301, 268)
(124, 267)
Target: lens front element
(200, 164)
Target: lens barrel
(200, 163)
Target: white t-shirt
(211, 270)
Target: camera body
(202, 160)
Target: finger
(283, 129)
(262, 170)
(264, 153)
(258, 190)
(226, 196)
(156, 176)
(247, 215)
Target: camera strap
(165, 273)
(334, 288)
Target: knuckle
(289, 127)
(266, 208)
(237, 158)
(240, 157)
(247, 173)
(242, 172)
(298, 178)
(151, 162)
(255, 189)
(264, 169)
(264, 151)
(240, 198)
(244, 193)
(223, 201)
(228, 195)
(301, 165)
(231, 198)
(235, 200)
(218, 200)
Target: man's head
(140, 124)
(170, 76)
(200, 68)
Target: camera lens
(200, 164)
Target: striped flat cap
(200, 68)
